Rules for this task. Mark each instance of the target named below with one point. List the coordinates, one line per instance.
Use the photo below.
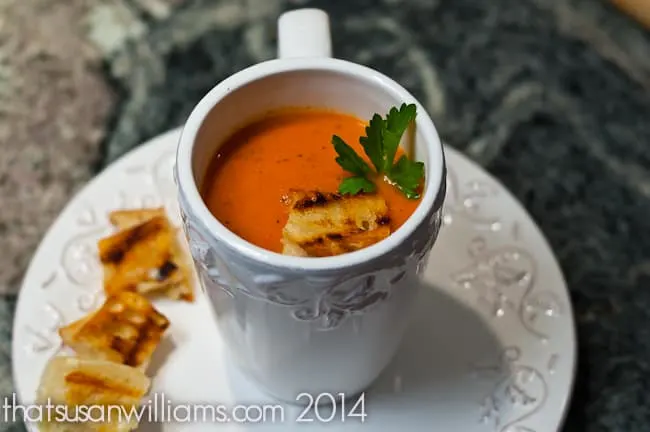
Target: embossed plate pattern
(491, 348)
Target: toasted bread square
(145, 257)
(125, 329)
(325, 224)
(70, 382)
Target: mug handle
(304, 33)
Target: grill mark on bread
(84, 379)
(131, 349)
(166, 270)
(125, 219)
(134, 356)
(115, 254)
(316, 199)
(383, 220)
(121, 346)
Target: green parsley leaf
(380, 145)
(373, 142)
(395, 126)
(355, 185)
(406, 175)
(348, 159)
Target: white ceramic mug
(298, 324)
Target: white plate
(492, 347)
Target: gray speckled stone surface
(552, 97)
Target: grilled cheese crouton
(145, 256)
(74, 383)
(125, 329)
(325, 224)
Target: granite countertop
(552, 97)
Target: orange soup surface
(289, 149)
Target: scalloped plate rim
(150, 144)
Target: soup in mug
(275, 184)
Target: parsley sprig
(380, 145)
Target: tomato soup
(289, 149)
